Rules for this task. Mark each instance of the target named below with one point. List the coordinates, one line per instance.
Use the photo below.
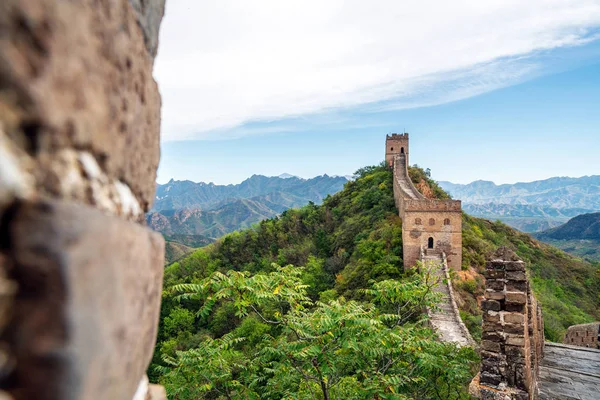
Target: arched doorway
(401, 150)
(430, 243)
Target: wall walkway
(446, 319)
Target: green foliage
(418, 175)
(568, 288)
(336, 350)
(239, 326)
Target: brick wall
(512, 342)
(585, 335)
(394, 144)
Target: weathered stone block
(488, 345)
(513, 340)
(496, 265)
(88, 303)
(515, 266)
(493, 327)
(513, 307)
(513, 318)
(495, 284)
(494, 274)
(493, 337)
(490, 305)
(492, 356)
(490, 379)
(491, 316)
(516, 297)
(516, 286)
(515, 329)
(494, 294)
(516, 276)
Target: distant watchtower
(396, 144)
(430, 227)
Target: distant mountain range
(579, 236)
(209, 210)
(532, 206)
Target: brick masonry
(585, 335)
(512, 343)
(433, 225)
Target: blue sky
(527, 109)
(546, 127)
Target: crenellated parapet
(512, 342)
(584, 335)
(433, 205)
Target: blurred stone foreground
(80, 274)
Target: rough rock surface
(78, 75)
(80, 280)
(88, 305)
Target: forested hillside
(579, 236)
(345, 321)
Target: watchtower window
(431, 221)
(430, 243)
(392, 149)
(447, 221)
(418, 221)
(402, 150)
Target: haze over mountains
(531, 206)
(209, 210)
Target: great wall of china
(81, 277)
(516, 362)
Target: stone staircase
(404, 182)
(446, 319)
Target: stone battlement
(397, 136)
(433, 205)
(584, 335)
(435, 225)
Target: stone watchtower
(396, 144)
(431, 226)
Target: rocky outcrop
(80, 274)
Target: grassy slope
(175, 251)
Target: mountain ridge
(580, 236)
(529, 206)
(185, 207)
(207, 196)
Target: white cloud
(228, 62)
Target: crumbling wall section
(512, 344)
(584, 335)
(80, 274)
